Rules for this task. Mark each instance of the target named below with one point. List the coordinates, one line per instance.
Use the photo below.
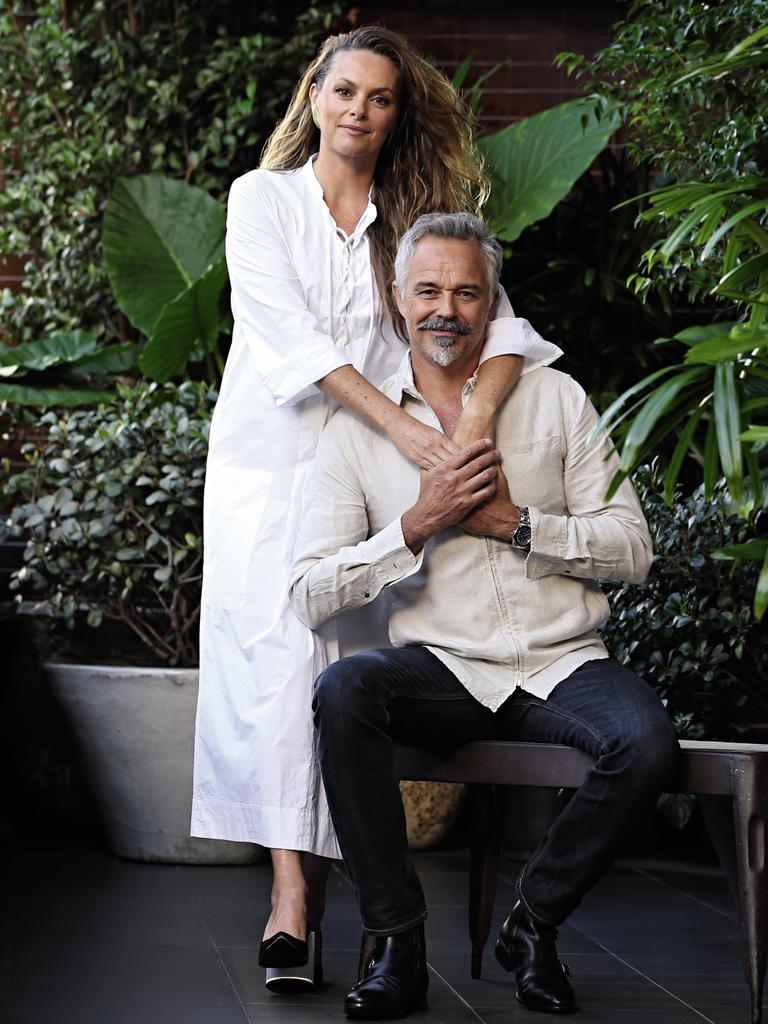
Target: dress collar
(314, 186)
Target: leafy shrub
(93, 91)
(110, 505)
(689, 631)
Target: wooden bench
(735, 770)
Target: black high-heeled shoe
(283, 950)
(287, 981)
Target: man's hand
(451, 490)
(496, 517)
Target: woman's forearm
(423, 445)
(350, 389)
(495, 379)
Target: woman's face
(357, 103)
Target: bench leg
(750, 811)
(488, 804)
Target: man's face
(446, 302)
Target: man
(490, 562)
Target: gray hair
(462, 226)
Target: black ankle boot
(527, 947)
(393, 978)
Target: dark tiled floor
(87, 939)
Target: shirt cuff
(549, 537)
(394, 559)
(512, 335)
(289, 381)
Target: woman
(374, 136)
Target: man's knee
(346, 684)
(649, 751)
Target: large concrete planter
(135, 728)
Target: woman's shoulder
(263, 182)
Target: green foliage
(535, 162)
(164, 249)
(689, 631)
(696, 109)
(63, 370)
(568, 276)
(110, 507)
(700, 117)
(92, 92)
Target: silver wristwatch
(521, 538)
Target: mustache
(439, 323)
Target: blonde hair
(429, 162)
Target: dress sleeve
(291, 349)
(512, 335)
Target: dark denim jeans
(365, 704)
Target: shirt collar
(402, 383)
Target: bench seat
(708, 769)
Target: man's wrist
(415, 533)
(508, 522)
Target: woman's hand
(420, 444)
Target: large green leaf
(21, 394)
(678, 455)
(761, 591)
(740, 339)
(694, 335)
(743, 273)
(112, 359)
(160, 235)
(192, 316)
(654, 407)
(535, 162)
(728, 427)
(40, 355)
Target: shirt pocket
(534, 470)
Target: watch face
(522, 537)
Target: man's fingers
(485, 479)
(465, 455)
(485, 460)
(483, 494)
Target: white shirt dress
(305, 302)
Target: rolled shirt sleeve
(598, 539)
(291, 349)
(337, 566)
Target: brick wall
(527, 34)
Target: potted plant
(110, 507)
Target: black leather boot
(527, 947)
(393, 978)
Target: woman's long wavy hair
(428, 164)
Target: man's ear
(399, 299)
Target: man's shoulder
(546, 378)
(545, 384)
(345, 434)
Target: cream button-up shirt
(498, 618)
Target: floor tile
(113, 1012)
(58, 920)
(140, 976)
